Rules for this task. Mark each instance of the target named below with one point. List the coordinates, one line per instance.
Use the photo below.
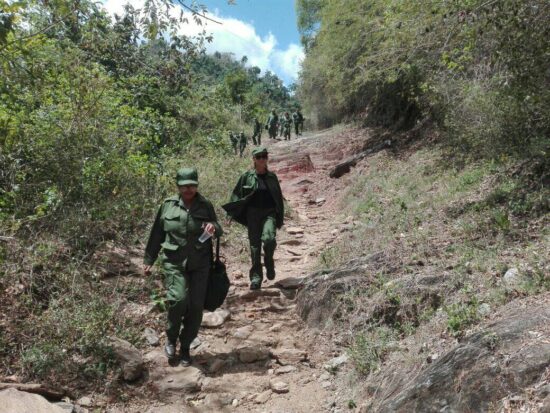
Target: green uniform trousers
(185, 284)
(259, 136)
(262, 229)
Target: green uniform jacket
(257, 127)
(286, 122)
(177, 230)
(272, 121)
(245, 188)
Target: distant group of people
(282, 125)
(238, 142)
(276, 126)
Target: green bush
(462, 315)
(369, 349)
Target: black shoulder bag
(218, 282)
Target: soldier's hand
(147, 269)
(209, 227)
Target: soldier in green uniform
(287, 126)
(242, 143)
(234, 141)
(186, 262)
(257, 135)
(281, 124)
(271, 124)
(257, 203)
(298, 120)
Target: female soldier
(257, 203)
(186, 261)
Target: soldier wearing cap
(271, 124)
(257, 133)
(286, 123)
(186, 261)
(234, 141)
(257, 203)
(242, 143)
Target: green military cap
(259, 150)
(187, 176)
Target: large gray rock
(290, 283)
(15, 401)
(278, 386)
(129, 357)
(320, 303)
(151, 336)
(215, 319)
(335, 363)
(287, 356)
(254, 294)
(180, 380)
(512, 277)
(250, 354)
(503, 358)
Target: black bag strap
(215, 258)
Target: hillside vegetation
(96, 114)
(450, 240)
(477, 70)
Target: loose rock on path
(255, 354)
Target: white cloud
(240, 38)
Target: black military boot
(256, 284)
(170, 349)
(185, 357)
(270, 273)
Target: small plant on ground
(461, 316)
(370, 348)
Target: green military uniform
(298, 120)
(271, 125)
(281, 129)
(234, 141)
(257, 203)
(287, 125)
(257, 134)
(242, 143)
(186, 262)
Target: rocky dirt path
(255, 355)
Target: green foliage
(92, 118)
(95, 116)
(70, 329)
(462, 315)
(369, 349)
(477, 68)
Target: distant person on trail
(186, 261)
(257, 203)
(234, 141)
(271, 124)
(287, 126)
(281, 126)
(298, 120)
(257, 134)
(242, 143)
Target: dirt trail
(262, 358)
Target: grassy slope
(467, 225)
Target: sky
(263, 30)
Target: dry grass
(462, 227)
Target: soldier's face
(187, 192)
(260, 160)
